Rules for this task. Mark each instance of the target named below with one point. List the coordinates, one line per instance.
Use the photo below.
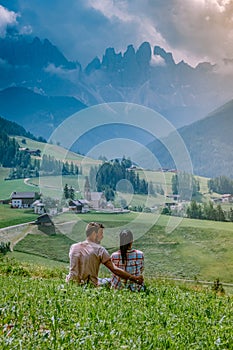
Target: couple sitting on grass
(126, 264)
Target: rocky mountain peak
(167, 56)
(143, 54)
(111, 61)
(21, 51)
(95, 64)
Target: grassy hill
(195, 249)
(56, 151)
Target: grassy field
(45, 313)
(38, 310)
(55, 151)
(195, 249)
(9, 186)
(9, 216)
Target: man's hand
(123, 274)
(137, 279)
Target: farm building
(79, 206)
(44, 220)
(23, 199)
(227, 198)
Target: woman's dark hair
(126, 238)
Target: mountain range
(40, 88)
(146, 76)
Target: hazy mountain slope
(38, 113)
(209, 142)
(12, 128)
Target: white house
(39, 207)
(22, 199)
(227, 198)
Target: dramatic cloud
(198, 29)
(193, 30)
(7, 19)
(72, 75)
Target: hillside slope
(209, 142)
(36, 112)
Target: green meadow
(55, 151)
(194, 249)
(46, 313)
(10, 217)
(38, 310)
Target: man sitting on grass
(86, 257)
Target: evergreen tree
(230, 214)
(76, 170)
(66, 191)
(175, 184)
(126, 163)
(109, 193)
(186, 185)
(220, 216)
(221, 185)
(72, 168)
(209, 213)
(71, 192)
(194, 210)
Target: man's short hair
(93, 227)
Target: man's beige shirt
(85, 259)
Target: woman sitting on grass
(128, 259)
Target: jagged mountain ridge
(40, 90)
(144, 76)
(20, 51)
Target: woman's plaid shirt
(134, 264)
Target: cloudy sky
(193, 30)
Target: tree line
(26, 166)
(221, 185)
(207, 211)
(51, 166)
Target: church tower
(87, 191)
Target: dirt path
(28, 183)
